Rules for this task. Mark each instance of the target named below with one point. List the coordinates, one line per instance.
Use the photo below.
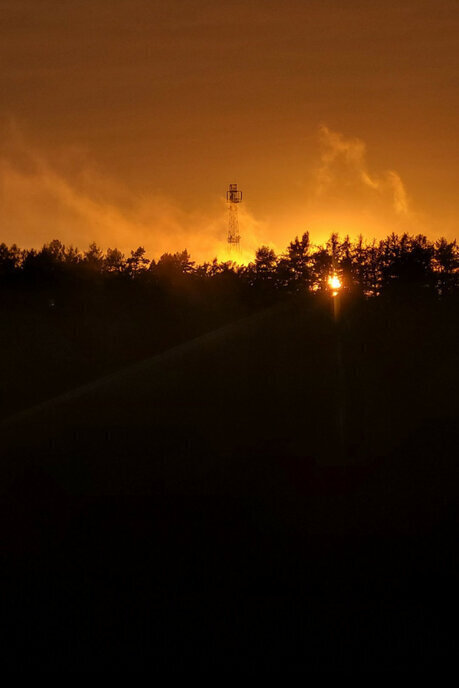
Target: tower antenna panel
(233, 198)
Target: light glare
(334, 283)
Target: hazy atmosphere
(229, 326)
(124, 122)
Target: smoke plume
(39, 201)
(344, 163)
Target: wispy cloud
(343, 162)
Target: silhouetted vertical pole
(336, 307)
(340, 399)
(341, 383)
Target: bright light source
(334, 283)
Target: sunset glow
(229, 307)
(335, 284)
(127, 129)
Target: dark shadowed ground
(280, 493)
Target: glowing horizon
(41, 203)
(125, 128)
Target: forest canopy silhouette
(368, 269)
(74, 315)
(240, 435)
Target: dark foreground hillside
(279, 493)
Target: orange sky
(124, 121)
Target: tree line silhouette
(370, 269)
(153, 505)
(70, 316)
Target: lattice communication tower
(233, 197)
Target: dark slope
(279, 493)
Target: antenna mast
(233, 198)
